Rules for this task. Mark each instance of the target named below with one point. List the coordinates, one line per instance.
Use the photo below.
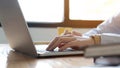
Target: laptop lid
(15, 27)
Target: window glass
(43, 10)
(93, 9)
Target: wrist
(96, 38)
(91, 41)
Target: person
(105, 33)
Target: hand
(59, 41)
(76, 42)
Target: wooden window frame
(67, 22)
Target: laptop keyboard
(43, 52)
(42, 48)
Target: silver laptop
(16, 30)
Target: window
(93, 9)
(43, 10)
(70, 13)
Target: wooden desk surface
(11, 59)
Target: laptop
(17, 33)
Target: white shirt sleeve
(112, 25)
(110, 38)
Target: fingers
(54, 45)
(51, 43)
(76, 33)
(58, 41)
(80, 43)
(62, 44)
(75, 48)
(75, 42)
(70, 44)
(73, 33)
